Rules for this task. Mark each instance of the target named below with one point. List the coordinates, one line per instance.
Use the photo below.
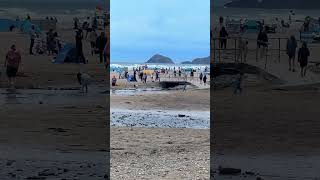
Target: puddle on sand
(36, 96)
(126, 92)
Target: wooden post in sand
(219, 49)
(265, 64)
(257, 51)
(235, 50)
(214, 50)
(279, 52)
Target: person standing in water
(303, 55)
(291, 52)
(12, 63)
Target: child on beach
(303, 55)
(237, 83)
(84, 80)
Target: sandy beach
(159, 134)
(270, 130)
(49, 129)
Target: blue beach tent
(26, 27)
(68, 54)
(5, 24)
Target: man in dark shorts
(291, 52)
(262, 42)
(12, 62)
(101, 44)
(303, 55)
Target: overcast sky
(178, 29)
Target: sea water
(130, 66)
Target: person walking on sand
(262, 42)
(191, 75)
(223, 35)
(145, 77)
(79, 48)
(243, 49)
(204, 79)
(12, 63)
(101, 44)
(200, 77)
(93, 39)
(84, 80)
(303, 55)
(33, 36)
(291, 51)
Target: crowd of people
(144, 73)
(49, 43)
(262, 47)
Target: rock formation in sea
(205, 60)
(160, 59)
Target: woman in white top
(93, 38)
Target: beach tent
(117, 69)
(252, 26)
(68, 54)
(131, 78)
(148, 72)
(5, 24)
(26, 27)
(188, 69)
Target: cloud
(177, 28)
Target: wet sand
(49, 128)
(269, 128)
(142, 152)
(39, 130)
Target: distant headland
(275, 4)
